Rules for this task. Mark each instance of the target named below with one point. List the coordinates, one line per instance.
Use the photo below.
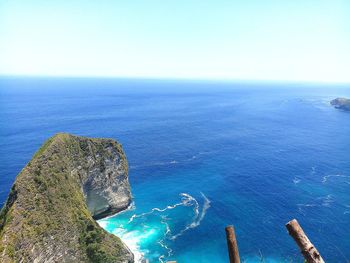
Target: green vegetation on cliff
(46, 217)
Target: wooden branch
(232, 245)
(308, 250)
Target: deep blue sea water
(202, 155)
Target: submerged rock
(341, 103)
(48, 216)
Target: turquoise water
(202, 155)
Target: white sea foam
(171, 162)
(103, 221)
(185, 201)
(296, 180)
(325, 178)
(306, 205)
(313, 170)
(325, 201)
(134, 238)
(197, 218)
(103, 224)
(131, 239)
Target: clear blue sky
(302, 40)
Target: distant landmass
(48, 216)
(341, 103)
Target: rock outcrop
(48, 216)
(341, 103)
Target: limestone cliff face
(48, 216)
(103, 172)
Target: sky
(292, 40)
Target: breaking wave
(159, 226)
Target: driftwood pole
(308, 250)
(232, 245)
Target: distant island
(50, 211)
(341, 103)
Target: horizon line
(168, 78)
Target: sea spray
(151, 234)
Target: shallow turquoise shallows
(202, 155)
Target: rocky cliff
(48, 216)
(341, 103)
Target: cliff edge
(48, 216)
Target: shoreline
(129, 244)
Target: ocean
(202, 155)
